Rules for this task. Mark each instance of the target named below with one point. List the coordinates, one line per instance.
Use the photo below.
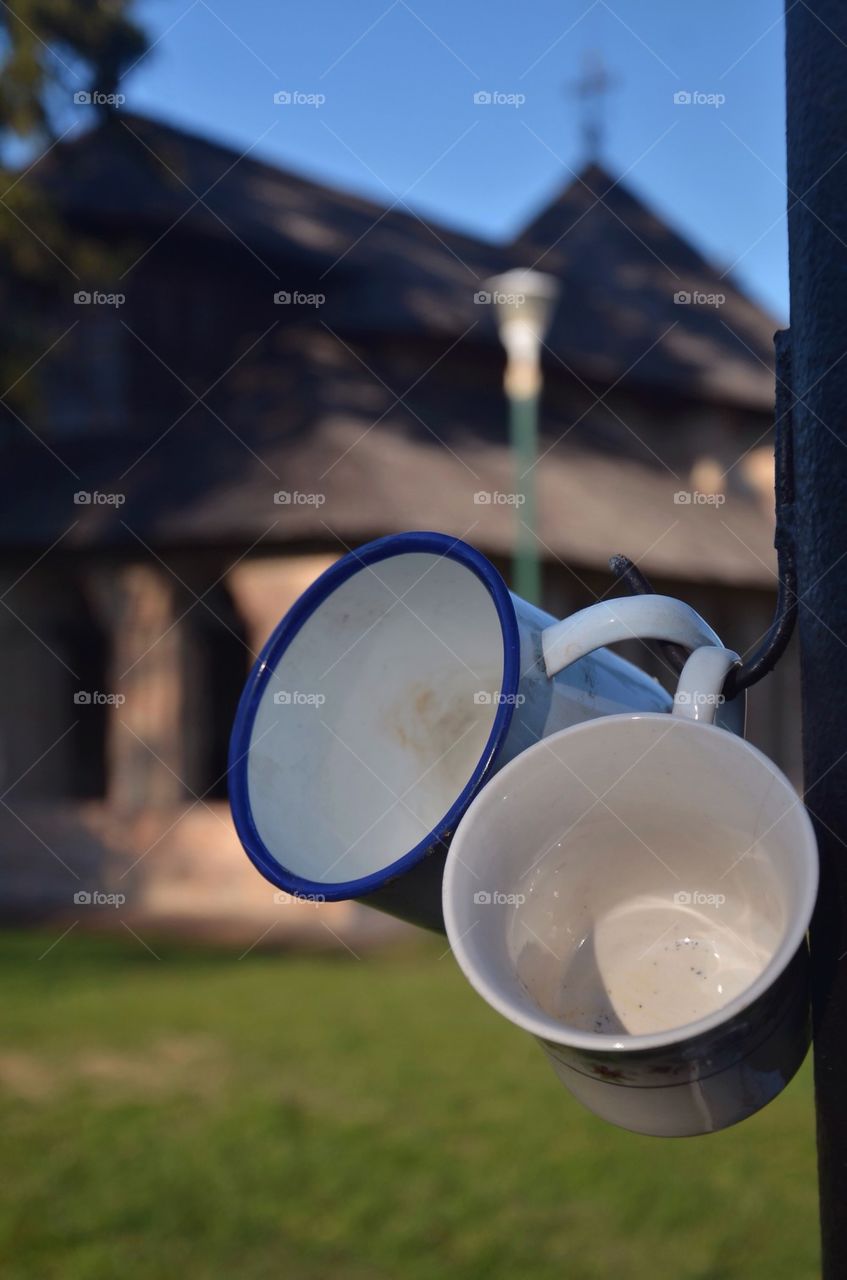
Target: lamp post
(524, 302)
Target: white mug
(402, 680)
(635, 892)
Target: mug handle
(646, 617)
(700, 684)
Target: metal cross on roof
(590, 90)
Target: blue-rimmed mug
(398, 683)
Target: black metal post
(816, 56)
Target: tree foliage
(54, 55)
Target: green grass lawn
(321, 1117)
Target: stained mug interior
(396, 685)
(635, 892)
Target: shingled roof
(625, 274)
(308, 412)
(620, 264)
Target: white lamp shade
(524, 301)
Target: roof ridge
(590, 179)
(337, 195)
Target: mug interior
(630, 877)
(373, 710)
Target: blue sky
(398, 79)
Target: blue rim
(382, 549)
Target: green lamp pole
(524, 302)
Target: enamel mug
(635, 891)
(400, 681)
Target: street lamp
(524, 301)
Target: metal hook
(774, 644)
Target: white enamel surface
(668, 872)
(600, 684)
(685, 809)
(632, 617)
(391, 687)
(711, 1102)
(700, 683)
(382, 705)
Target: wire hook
(774, 644)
